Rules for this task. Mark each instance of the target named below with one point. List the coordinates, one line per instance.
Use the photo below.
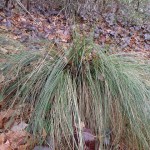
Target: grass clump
(83, 84)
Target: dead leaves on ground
(55, 27)
(4, 117)
(13, 134)
(25, 28)
(20, 140)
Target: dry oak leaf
(5, 116)
(19, 139)
(2, 138)
(5, 146)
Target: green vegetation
(83, 84)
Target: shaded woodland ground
(35, 34)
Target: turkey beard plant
(84, 85)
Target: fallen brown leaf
(2, 138)
(5, 116)
(5, 146)
(19, 138)
(44, 134)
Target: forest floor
(38, 32)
